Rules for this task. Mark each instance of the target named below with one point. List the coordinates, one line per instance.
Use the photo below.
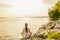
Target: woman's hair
(26, 28)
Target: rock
(50, 26)
(57, 26)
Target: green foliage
(53, 35)
(54, 13)
(58, 4)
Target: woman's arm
(22, 32)
(30, 32)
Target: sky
(25, 8)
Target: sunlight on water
(11, 27)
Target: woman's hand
(21, 33)
(30, 33)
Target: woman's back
(26, 31)
(26, 34)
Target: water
(10, 28)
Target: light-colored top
(26, 34)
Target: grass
(53, 35)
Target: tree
(54, 13)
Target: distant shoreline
(28, 17)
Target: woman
(26, 31)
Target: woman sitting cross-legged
(26, 32)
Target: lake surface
(11, 27)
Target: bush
(54, 13)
